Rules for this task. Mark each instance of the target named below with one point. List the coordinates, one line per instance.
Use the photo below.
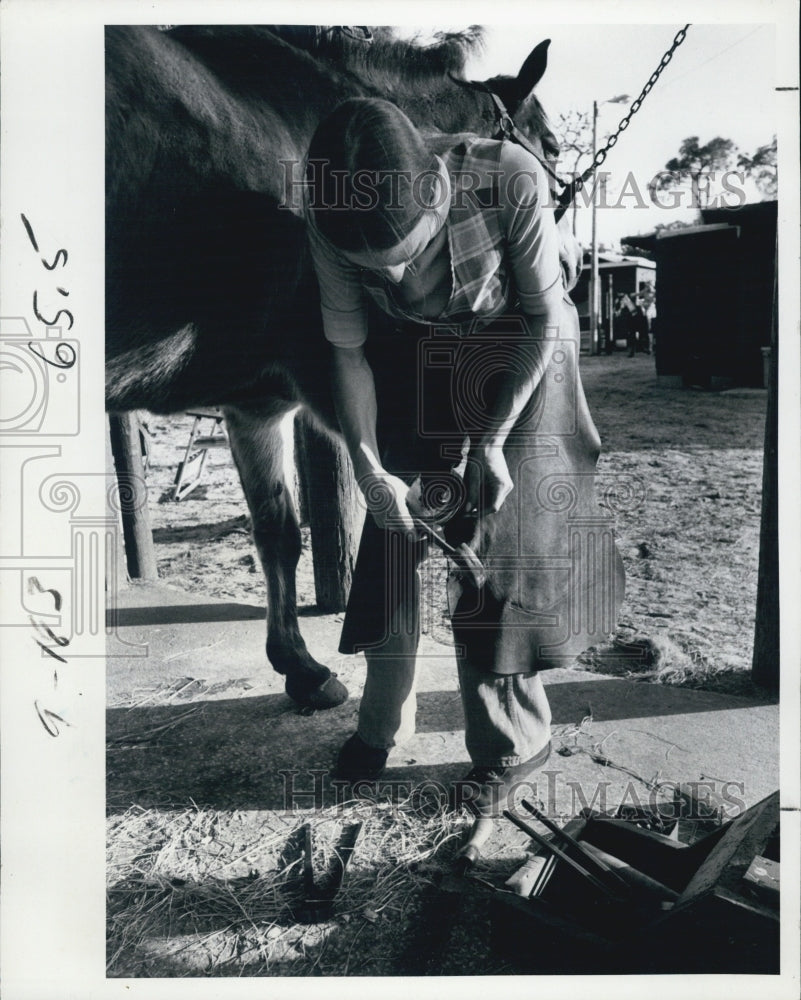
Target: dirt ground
(196, 890)
(689, 536)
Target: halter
(508, 130)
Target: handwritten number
(49, 651)
(50, 322)
(29, 231)
(47, 633)
(49, 720)
(65, 356)
(59, 255)
(34, 585)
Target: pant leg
(389, 700)
(383, 616)
(507, 717)
(383, 621)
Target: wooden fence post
(116, 575)
(765, 663)
(140, 554)
(335, 512)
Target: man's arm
(488, 479)
(355, 402)
(344, 317)
(532, 252)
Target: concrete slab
(189, 689)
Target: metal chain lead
(600, 156)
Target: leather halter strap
(507, 129)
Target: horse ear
(513, 90)
(532, 70)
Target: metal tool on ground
(464, 557)
(593, 879)
(538, 868)
(318, 900)
(631, 877)
(533, 872)
(688, 907)
(570, 844)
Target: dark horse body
(211, 299)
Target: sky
(720, 82)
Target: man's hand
(488, 480)
(386, 498)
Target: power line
(716, 55)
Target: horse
(210, 295)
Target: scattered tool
(537, 870)
(587, 858)
(464, 557)
(693, 899)
(633, 879)
(318, 901)
(598, 883)
(533, 872)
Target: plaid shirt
(481, 288)
(503, 250)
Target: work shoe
(485, 790)
(357, 760)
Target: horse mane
(385, 62)
(386, 53)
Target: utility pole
(594, 281)
(594, 345)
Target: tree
(574, 130)
(762, 168)
(668, 227)
(697, 165)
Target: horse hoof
(329, 694)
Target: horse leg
(257, 446)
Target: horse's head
(427, 81)
(517, 94)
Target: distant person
(650, 314)
(624, 322)
(641, 330)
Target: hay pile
(201, 892)
(658, 659)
